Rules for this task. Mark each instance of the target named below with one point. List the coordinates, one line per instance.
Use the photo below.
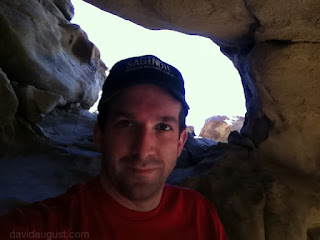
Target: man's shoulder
(192, 205)
(189, 200)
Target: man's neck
(141, 206)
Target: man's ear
(97, 138)
(182, 140)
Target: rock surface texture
(218, 128)
(267, 185)
(264, 182)
(45, 62)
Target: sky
(213, 85)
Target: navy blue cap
(141, 70)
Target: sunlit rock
(218, 128)
(215, 19)
(49, 61)
(66, 7)
(282, 20)
(36, 103)
(190, 129)
(287, 80)
(43, 49)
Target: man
(140, 133)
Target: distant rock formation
(218, 128)
(190, 129)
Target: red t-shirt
(87, 212)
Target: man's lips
(138, 170)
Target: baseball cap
(146, 69)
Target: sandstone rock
(215, 128)
(256, 125)
(9, 101)
(237, 139)
(40, 47)
(219, 127)
(287, 79)
(190, 129)
(64, 156)
(263, 20)
(214, 19)
(313, 217)
(282, 20)
(289, 192)
(8, 109)
(35, 103)
(222, 23)
(66, 7)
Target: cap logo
(148, 62)
(140, 70)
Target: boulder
(41, 48)
(218, 128)
(36, 103)
(190, 129)
(49, 61)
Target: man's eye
(124, 123)
(163, 127)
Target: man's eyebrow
(168, 119)
(124, 114)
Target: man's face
(140, 142)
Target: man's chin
(141, 191)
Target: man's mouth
(141, 171)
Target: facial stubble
(137, 187)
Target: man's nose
(145, 142)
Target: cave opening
(213, 87)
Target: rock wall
(267, 184)
(46, 62)
(50, 73)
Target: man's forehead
(145, 93)
(173, 118)
(169, 116)
(145, 102)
